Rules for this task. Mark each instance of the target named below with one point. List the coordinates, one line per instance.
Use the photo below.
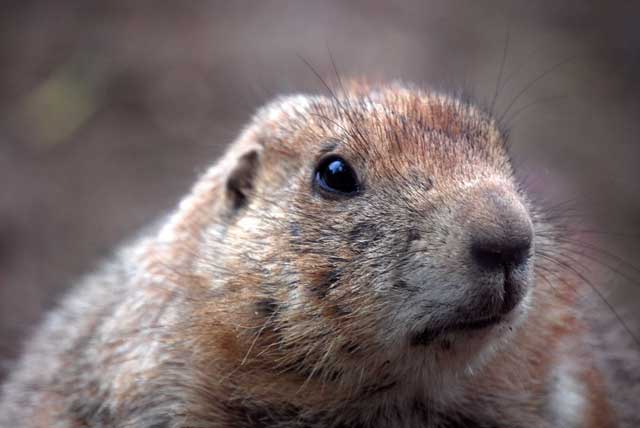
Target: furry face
(414, 252)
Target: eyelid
(327, 148)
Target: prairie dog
(360, 260)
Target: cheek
(318, 276)
(340, 294)
(321, 282)
(364, 238)
(344, 270)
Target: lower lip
(428, 335)
(476, 324)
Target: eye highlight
(335, 175)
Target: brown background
(109, 110)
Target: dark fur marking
(294, 231)
(331, 278)
(351, 348)
(401, 284)
(428, 184)
(363, 234)
(319, 290)
(267, 307)
(413, 235)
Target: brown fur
(259, 303)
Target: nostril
(486, 258)
(494, 254)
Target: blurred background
(110, 110)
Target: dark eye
(335, 175)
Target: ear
(240, 182)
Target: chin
(465, 350)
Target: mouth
(429, 334)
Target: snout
(479, 265)
(499, 249)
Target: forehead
(411, 128)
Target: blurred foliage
(60, 104)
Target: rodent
(364, 259)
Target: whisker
(500, 73)
(535, 103)
(531, 84)
(585, 245)
(599, 294)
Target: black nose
(500, 230)
(501, 239)
(502, 251)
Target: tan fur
(280, 310)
